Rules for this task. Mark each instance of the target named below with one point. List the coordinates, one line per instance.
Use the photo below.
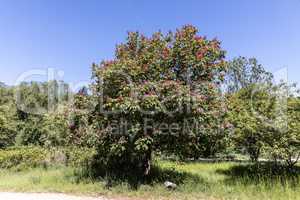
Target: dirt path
(42, 196)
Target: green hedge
(30, 157)
(22, 157)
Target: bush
(30, 132)
(22, 157)
(30, 157)
(79, 157)
(7, 126)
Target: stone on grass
(170, 185)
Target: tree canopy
(162, 80)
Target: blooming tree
(159, 93)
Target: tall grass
(195, 181)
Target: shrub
(29, 157)
(7, 125)
(22, 157)
(55, 128)
(30, 132)
(79, 157)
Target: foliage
(79, 157)
(30, 132)
(284, 141)
(7, 117)
(291, 143)
(158, 81)
(252, 102)
(250, 111)
(160, 94)
(81, 131)
(55, 128)
(24, 157)
(39, 98)
(243, 72)
(21, 158)
(7, 126)
(21, 114)
(266, 118)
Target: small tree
(292, 138)
(251, 102)
(151, 85)
(7, 117)
(251, 110)
(81, 132)
(7, 126)
(55, 130)
(283, 141)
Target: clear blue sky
(69, 35)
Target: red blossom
(120, 98)
(166, 52)
(145, 67)
(200, 55)
(198, 38)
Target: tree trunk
(254, 154)
(147, 163)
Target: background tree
(251, 110)
(22, 110)
(243, 72)
(252, 103)
(81, 132)
(292, 138)
(283, 141)
(55, 129)
(7, 117)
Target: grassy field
(195, 181)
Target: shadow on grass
(262, 173)
(157, 175)
(160, 175)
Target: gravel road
(42, 196)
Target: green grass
(195, 180)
